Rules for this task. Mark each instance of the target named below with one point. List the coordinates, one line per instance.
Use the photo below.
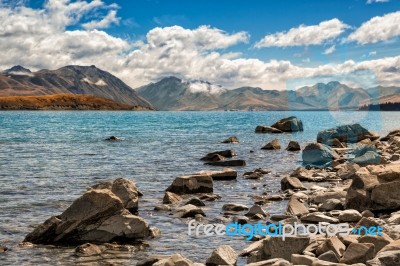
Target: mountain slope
(174, 94)
(19, 81)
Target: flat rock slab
(228, 163)
(226, 174)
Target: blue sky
(249, 34)
(259, 18)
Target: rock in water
(318, 154)
(289, 124)
(171, 198)
(99, 216)
(3, 249)
(222, 154)
(293, 146)
(226, 174)
(346, 133)
(191, 184)
(228, 163)
(273, 145)
(112, 138)
(232, 139)
(266, 129)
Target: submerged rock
(289, 124)
(196, 202)
(113, 138)
(228, 163)
(99, 216)
(189, 211)
(3, 249)
(219, 154)
(232, 139)
(234, 207)
(256, 174)
(191, 184)
(272, 145)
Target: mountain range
(172, 93)
(78, 80)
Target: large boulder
(358, 253)
(277, 247)
(99, 215)
(289, 124)
(375, 188)
(318, 154)
(125, 190)
(190, 184)
(223, 255)
(347, 133)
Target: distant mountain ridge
(90, 80)
(173, 94)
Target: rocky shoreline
(349, 175)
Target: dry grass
(62, 102)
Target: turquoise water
(47, 159)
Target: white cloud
(305, 35)
(38, 38)
(377, 29)
(330, 50)
(377, 1)
(104, 23)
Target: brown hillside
(63, 102)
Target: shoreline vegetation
(358, 177)
(81, 102)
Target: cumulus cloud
(39, 38)
(330, 50)
(305, 35)
(377, 29)
(104, 23)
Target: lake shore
(214, 207)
